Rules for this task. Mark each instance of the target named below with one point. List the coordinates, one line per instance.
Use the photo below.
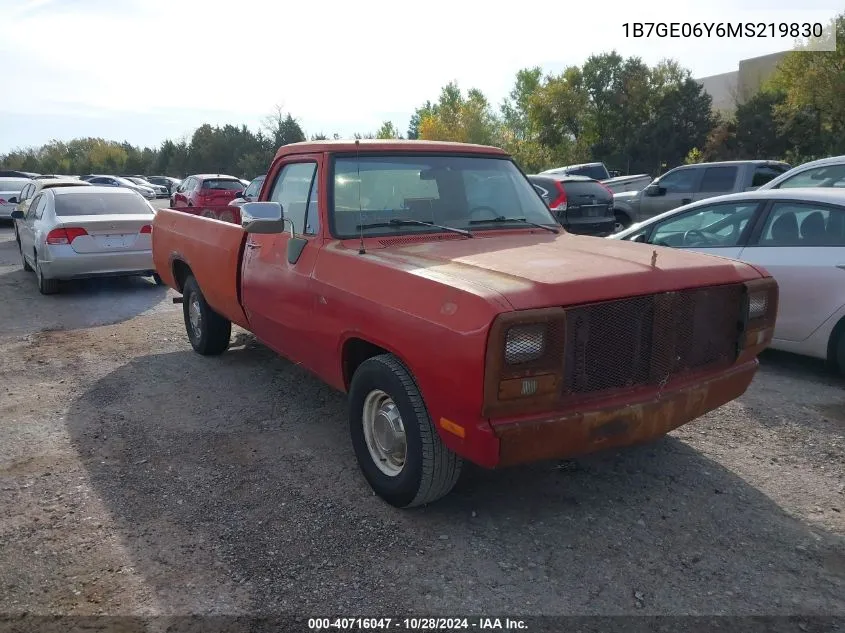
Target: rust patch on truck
(580, 433)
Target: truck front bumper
(582, 432)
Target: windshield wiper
(398, 222)
(502, 218)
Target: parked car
(206, 190)
(160, 191)
(245, 183)
(250, 194)
(166, 181)
(80, 232)
(689, 183)
(827, 172)
(600, 172)
(582, 205)
(118, 181)
(10, 191)
(462, 331)
(33, 188)
(798, 235)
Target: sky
(147, 70)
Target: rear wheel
(24, 263)
(208, 332)
(398, 449)
(45, 286)
(839, 353)
(622, 222)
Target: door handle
(253, 245)
(686, 200)
(841, 266)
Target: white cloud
(336, 65)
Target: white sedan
(797, 234)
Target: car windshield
(13, 184)
(101, 203)
(222, 184)
(387, 195)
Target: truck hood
(530, 270)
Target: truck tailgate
(210, 248)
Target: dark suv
(581, 205)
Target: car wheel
(839, 353)
(45, 286)
(622, 222)
(398, 449)
(24, 263)
(208, 332)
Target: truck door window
(291, 190)
(681, 181)
(718, 179)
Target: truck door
(672, 189)
(277, 291)
(718, 180)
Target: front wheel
(208, 332)
(398, 449)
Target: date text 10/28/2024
(416, 624)
(723, 29)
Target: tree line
(634, 117)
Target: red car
(206, 190)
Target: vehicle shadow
(232, 480)
(79, 303)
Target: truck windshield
(372, 195)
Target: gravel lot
(139, 478)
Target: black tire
(212, 335)
(24, 263)
(839, 354)
(430, 470)
(45, 286)
(622, 222)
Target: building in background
(728, 89)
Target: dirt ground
(137, 477)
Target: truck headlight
(525, 343)
(758, 304)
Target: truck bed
(210, 250)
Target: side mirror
(264, 218)
(654, 190)
(640, 238)
(12, 200)
(17, 215)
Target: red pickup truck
(430, 283)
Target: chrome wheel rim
(384, 433)
(195, 317)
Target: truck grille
(651, 339)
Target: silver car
(10, 192)
(117, 181)
(79, 232)
(826, 172)
(160, 191)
